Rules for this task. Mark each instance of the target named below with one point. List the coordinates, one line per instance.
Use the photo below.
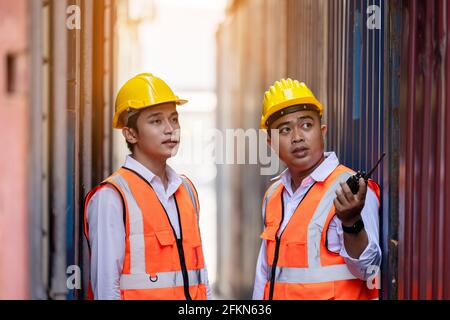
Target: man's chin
(163, 156)
(166, 156)
(300, 164)
(303, 164)
(169, 155)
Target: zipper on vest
(181, 254)
(183, 269)
(274, 268)
(178, 241)
(278, 243)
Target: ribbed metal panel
(424, 251)
(70, 127)
(306, 43)
(355, 92)
(355, 85)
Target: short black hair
(132, 124)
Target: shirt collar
(174, 180)
(318, 175)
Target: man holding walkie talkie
(321, 231)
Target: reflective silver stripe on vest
(136, 223)
(317, 223)
(312, 275)
(316, 273)
(269, 193)
(162, 280)
(191, 195)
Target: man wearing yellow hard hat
(142, 221)
(320, 241)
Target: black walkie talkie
(353, 181)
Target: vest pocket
(165, 237)
(161, 251)
(295, 254)
(196, 255)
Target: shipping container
(424, 118)
(14, 112)
(56, 95)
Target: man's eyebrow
(154, 114)
(175, 113)
(282, 124)
(305, 117)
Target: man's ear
(130, 135)
(324, 130)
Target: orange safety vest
(300, 264)
(156, 264)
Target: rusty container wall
(14, 111)
(94, 117)
(306, 40)
(73, 140)
(355, 97)
(386, 92)
(424, 188)
(90, 82)
(275, 42)
(71, 103)
(355, 85)
(390, 197)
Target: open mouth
(300, 152)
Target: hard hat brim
(285, 104)
(117, 124)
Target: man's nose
(297, 135)
(169, 127)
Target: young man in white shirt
(142, 222)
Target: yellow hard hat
(142, 91)
(284, 94)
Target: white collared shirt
(107, 230)
(371, 256)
